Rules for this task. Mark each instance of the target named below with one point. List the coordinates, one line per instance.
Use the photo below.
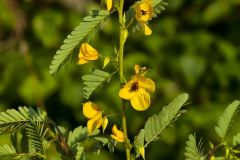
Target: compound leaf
(7, 152)
(36, 133)
(89, 24)
(157, 123)
(226, 118)
(192, 150)
(12, 120)
(93, 81)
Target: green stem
(124, 125)
(122, 40)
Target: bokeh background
(194, 48)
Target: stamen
(134, 86)
(143, 12)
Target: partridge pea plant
(34, 130)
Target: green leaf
(79, 33)
(111, 145)
(78, 134)
(157, 123)
(158, 7)
(7, 152)
(139, 142)
(226, 118)
(236, 140)
(36, 132)
(75, 138)
(93, 81)
(12, 120)
(192, 151)
(103, 140)
(79, 152)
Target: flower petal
(90, 109)
(82, 61)
(91, 125)
(95, 122)
(126, 92)
(117, 134)
(109, 4)
(87, 53)
(104, 123)
(146, 29)
(141, 100)
(146, 83)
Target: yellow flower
(143, 13)
(109, 4)
(117, 134)
(94, 114)
(137, 90)
(143, 10)
(87, 53)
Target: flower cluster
(137, 90)
(94, 114)
(96, 120)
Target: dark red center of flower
(143, 12)
(134, 86)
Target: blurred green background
(194, 48)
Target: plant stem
(124, 125)
(122, 39)
(212, 151)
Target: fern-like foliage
(226, 118)
(192, 150)
(157, 123)
(7, 152)
(93, 81)
(36, 133)
(31, 123)
(75, 139)
(79, 33)
(79, 152)
(159, 6)
(12, 120)
(77, 135)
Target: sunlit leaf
(89, 24)
(93, 81)
(192, 150)
(157, 123)
(226, 118)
